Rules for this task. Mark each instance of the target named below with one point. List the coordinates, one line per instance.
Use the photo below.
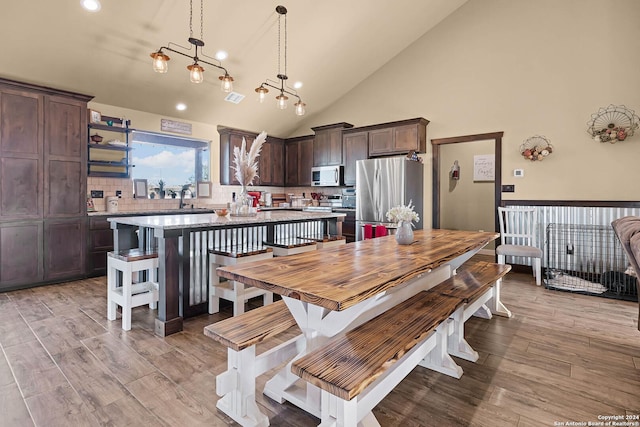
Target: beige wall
(523, 67)
(465, 204)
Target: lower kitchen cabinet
(64, 248)
(20, 253)
(100, 242)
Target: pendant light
(196, 71)
(280, 85)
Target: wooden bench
(326, 241)
(130, 294)
(231, 290)
(476, 285)
(236, 386)
(357, 369)
(291, 246)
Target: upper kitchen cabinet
(270, 162)
(109, 148)
(327, 144)
(21, 145)
(395, 138)
(299, 161)
(355, 146)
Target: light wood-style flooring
(560, 358)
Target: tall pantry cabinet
(43, 167)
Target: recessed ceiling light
(221, 55)
(297, 85)
(181, 107)
(91, 5)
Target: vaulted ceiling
(332, 46)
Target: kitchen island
(183, 241)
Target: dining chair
(518, 237)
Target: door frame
(436, 143)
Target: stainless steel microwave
(327, 176)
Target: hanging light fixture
(196, 71)
(280, 85)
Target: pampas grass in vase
(246, 169)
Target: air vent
(234, 97)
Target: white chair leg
(126, 291)
(214, 281)
(112, 274)
(538, 270)
(500, 259)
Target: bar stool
(231, 290)
(130, 294)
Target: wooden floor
(560, 358)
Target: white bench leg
(152, 275)
(439, 359)
(267, 298)
(457, 345)
(495, 304)
(238, 294)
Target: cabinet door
(21, 167)
(236, 141)
(64, 248)
(291, 167)
(277, 162)
(20, 253)
(65, 159)
(406, 138)
(264, 165)
(305, 162)
(380, 141)
(355, 146)
(327, 148)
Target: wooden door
(355, 146)
(21, 137)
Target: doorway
(442, 178)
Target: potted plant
(173, 194)
(161, 191)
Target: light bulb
(160, 62)
(300, 110)
(226, 83)
(196, 74)
(282, 101)
(262, 92)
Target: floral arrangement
(403, 213)
(246, 164)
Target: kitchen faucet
(185, 188)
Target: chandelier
(280, 85)
(196, 71)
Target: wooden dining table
(331, 291)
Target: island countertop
(195, 221)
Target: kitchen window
(169, 163)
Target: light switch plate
(97, 194)
(518, 173)
(509, 188)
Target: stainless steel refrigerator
(384, 183)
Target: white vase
(404, 233)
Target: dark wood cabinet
(21, 253)
(100, 242)
(43, 161)
(355, 146)
(64, 248)
(398, 137)
(327, 144)
(349, 224)
(299, 161)
(271, 162)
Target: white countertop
(180, 221)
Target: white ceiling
(333, 46)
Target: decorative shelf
(613, 123)
(536, 148)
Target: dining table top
(341, 277)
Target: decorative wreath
(536, 148)
(612, 124)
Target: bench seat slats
(291, 243)
(471, 282)
(347, 364)
(252, 327)
(240, 252)
(130, 255)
